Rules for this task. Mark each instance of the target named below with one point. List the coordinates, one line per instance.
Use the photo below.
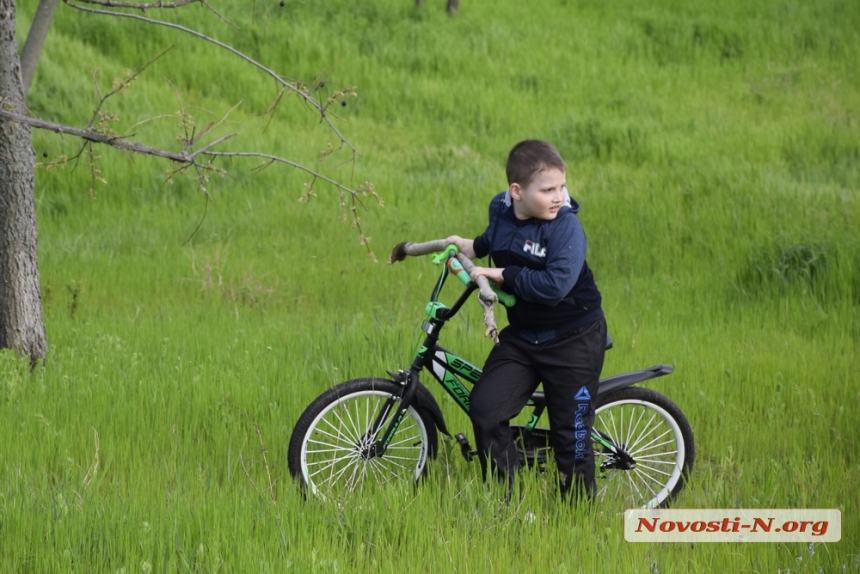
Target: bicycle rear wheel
(329, 449)
(656, 450)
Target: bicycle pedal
(465, 447)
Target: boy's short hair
(530, 157)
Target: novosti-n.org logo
(733, 525)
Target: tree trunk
(35, 40)
(21, 325)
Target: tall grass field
(714, 148)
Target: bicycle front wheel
(330, 446)
(654, 449)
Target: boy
(556, 332)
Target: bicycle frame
(448, 368)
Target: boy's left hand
(465, 246)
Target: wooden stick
(486, 296)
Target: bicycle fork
(410, 381)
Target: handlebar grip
(455, 267)
(505, 299)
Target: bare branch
(407, 248)
(190, 159)
(277, 159)
(122, 86)
(199, 223)
(194, 138)
(205, 150)
(142, 5)
(89, 134)
(185, 157)
(288, 85)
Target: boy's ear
(516, 192)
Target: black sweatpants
(569, 367)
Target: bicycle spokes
(647, 454)
(338, 455)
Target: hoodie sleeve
(565, 256)
(482, 242)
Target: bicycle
(374, 430)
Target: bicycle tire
(657, 435)
(328, 446)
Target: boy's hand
(492, 273)
(464, 245)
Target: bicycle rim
(654, 439)
(334, 459)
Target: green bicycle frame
(447, 367)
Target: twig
(199, 223)
(188, 157)
(122, 86)
(304, 94)
(141, 5)
(98, 130)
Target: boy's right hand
(491, 273)
(464, 245)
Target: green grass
(714, 149)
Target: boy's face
(542, 198)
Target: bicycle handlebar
(506, 299)
(445, 252)
(455, 267)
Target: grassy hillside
(715, 151)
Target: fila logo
(534, 248)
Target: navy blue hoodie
(544, 266)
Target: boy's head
(531, 157)
(536, 180)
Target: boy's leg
(507, 381)
(571, 369)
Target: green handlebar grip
(457, 269)
(505, 299)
